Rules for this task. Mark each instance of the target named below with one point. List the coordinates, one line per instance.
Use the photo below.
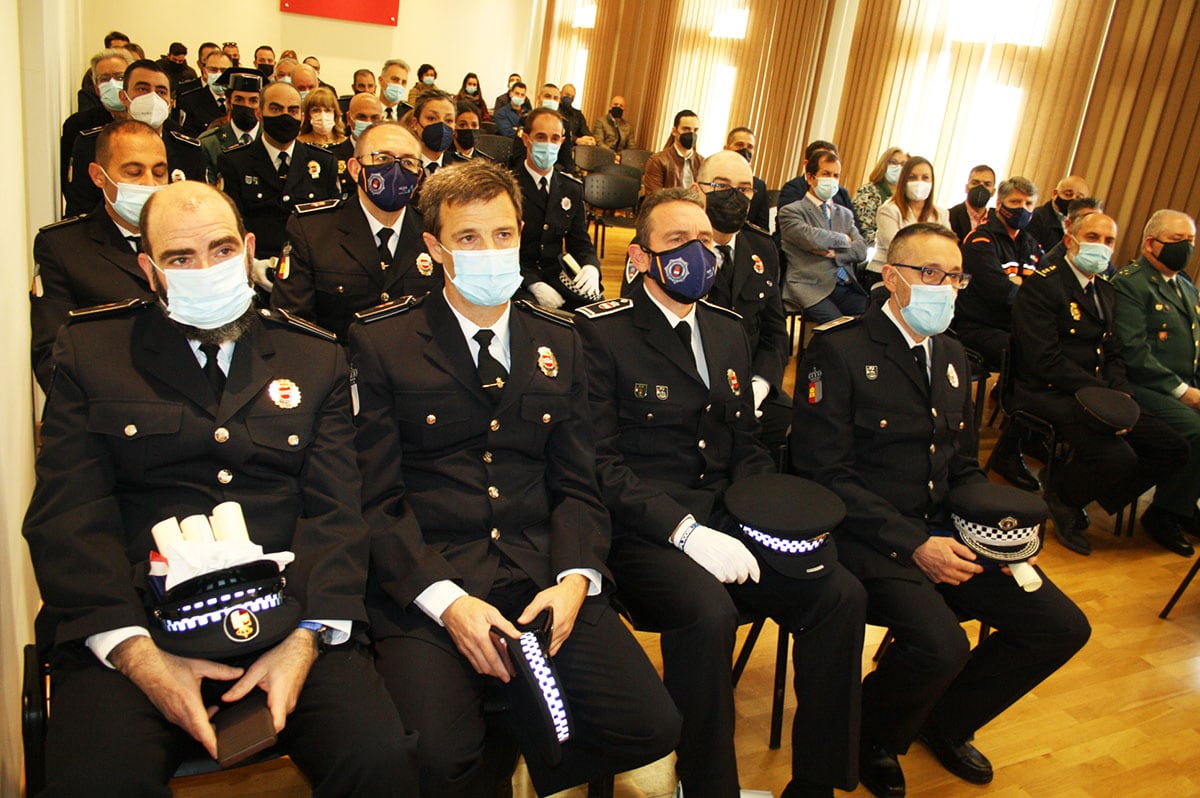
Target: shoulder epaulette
(70, 220)
(570, 177)
(1046, 272)
(605, 307)
(1133, 267)
(313, 207)
(756, 229)
(185, 138)
(209, 132)
(238, 146)
(726, 311)
(841, 321)
(557, 316)
(107, 310)
(281, 316)
(92, 131)
(388, 309)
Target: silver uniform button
(130, 430)
(224, 476)
(702, 444)
(220, 435)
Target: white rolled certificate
(196, 529)
(166, 533)
(1026, 575)
(228, 523)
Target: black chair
(606, 193)
(793, 316)
(1035, 424)
(980, 374)
(984, 631)
(1187, 580)
(488, 128)
(590, 159)
(498, 148)
(635, 158)
(621, 169)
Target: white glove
(258, 272)
(546, 296)
(587, 282)
(722, 556)
(761, 389)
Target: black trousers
(930, 675)
(697, 616)
(622, 716)
(105, 738)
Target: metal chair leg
(777, 697)
(1187, 580)
(747, 648)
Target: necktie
(1090, 291)
(1174, 281)
(385, 254)
(684, 331)
(245, 139)
(919, 353)
(212, 369)
(430, 168)
(544, 185)
(828, 215)
(389, 113)
(135, 242)
(723, 295)
(283, 166)
(491, 374)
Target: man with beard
(168, 408)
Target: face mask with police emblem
(686, 273)
(389, 186)
(208, 298)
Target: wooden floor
(1121, 719)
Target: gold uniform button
(431, 419)
(934, 411)
(130, 430)
(932, 448)
(930, 484)
(494, 425)
(883, 423)
(649, 416)
(761, 295)
(494, 492)
(545, 418)
(1072, 331)
(384, 296)
(738, 414)
(293, 440)
(495, 533)
(341, 289)
(702, 444)
(220, 435)
(708, 408)
(487, 457)
(224, 476)
(892, 555)
(962, 425)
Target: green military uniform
(1159, 330)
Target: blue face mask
(360, 127)
(930, 308)
(438, 137)
(551, 104)
(543, 154)
(1016, 218)
(393, 93)
(1092, 258)
(487, 277)
(213, 77)
(429, 79)
(825, 188)
(686, 273)
(110, 95)
(893, 172)
(208, 298)
(390, 186)
(130, 199)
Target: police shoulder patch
(70, 220)
(107, 310)
(562, 317)
(724, 311)
(757, 229)
(570, 177)
(186, 139)
(841, 321)
(290, 319)
(605, 307)
(388, 309)
(303, 208)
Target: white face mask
(149, 108)
(130, 199)
(917, 190)
(208, 298)
(322, 122)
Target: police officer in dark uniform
(674, 416)
(269, 177)
(92, 259)
(555, 217)
(1064, 339)
(167, 410)
(475, 443)
(147, 98)
(349, 255)
(883, 418)
(243, 90)
(106, 77)
(201, 105)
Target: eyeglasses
(717, 185)
(387, 159)
(931, 275)
(230, 44)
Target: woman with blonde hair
(911, 202)
(321, 125)
(876, 191)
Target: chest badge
(872, 372)
(314, 170)
(177, 175)
(814, 386)
(566, 203)
(284, 393)
(425, 264)
(252, 180)
(952, 375)
(640, 389)
(758, 264)
(1162, 335)
(661, 392)
(630, 272)
(1075, 314)
(547, 362)
(734, 385)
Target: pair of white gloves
(723, 556)
(586, 282)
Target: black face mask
(1061, 204)
(727, 209)
(746, 153)
(234, 61)
(616, 113)
(282, 128)
(565, 102)
(267, 70)
(1175, 255)
(243, 116)
(687, 140)
(978, 197)
(465, 136)
(437, 136)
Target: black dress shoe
(879, 771)
(963, 759)
(1163, 529)
(1066, 524)
(1012, 467)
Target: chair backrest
(589, 159)
(487, 128)
(635, 158)
(621, 169)
(611, 192)
(497, 147)
(772, 197)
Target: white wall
(490, 38)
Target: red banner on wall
(377, 12)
